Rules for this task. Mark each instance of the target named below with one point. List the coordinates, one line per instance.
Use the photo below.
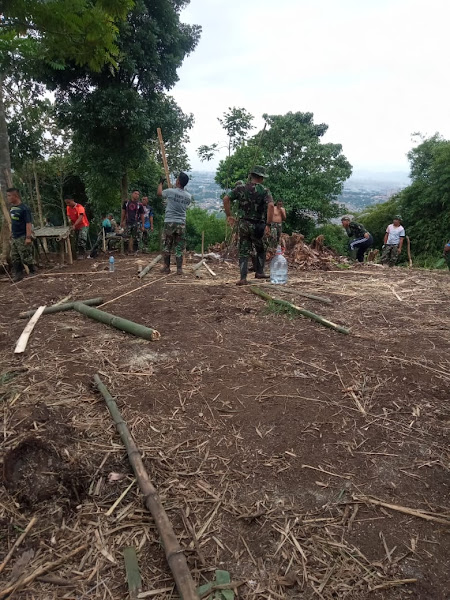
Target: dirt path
(268, 437)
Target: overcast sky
(374, 70)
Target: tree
(306, 173)
(199, 220)
(378, 216)
(114, 113)
(237, 123)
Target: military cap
(398, 218)
(258, 170)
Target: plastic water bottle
(278, 268)
(111, 264)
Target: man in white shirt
(393, 242)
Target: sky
(375, 71)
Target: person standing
(361, 239)
(447, 253)
(79, 225)
(174, 236)
(255, 212)
(133, 220)
(148, 220)
(393, 241)
(276, 227)
(21, 243)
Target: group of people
(257, 217)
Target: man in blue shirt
(21, 243)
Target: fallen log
(298, 309)
(117, 322)
(150, 266)
(174, 553)
(60, 307)
(23, 340)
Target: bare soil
(271, 439)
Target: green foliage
(198, 220)
(306, 173)
(334, 237)
(237, 123)
(273, 308)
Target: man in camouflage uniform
(132, 221)
(255, 213)
(177, 201)
(361, 239)
(21, 243)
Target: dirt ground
(271, 439)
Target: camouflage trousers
(275, 235)
(174, 238)
(81, 238)
(134, 232)
(389, 255)
(21, 254)
(249, 238)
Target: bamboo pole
(60, 307)
(117, 322)
(163, 154)
(150, 266)
(299, 293)
(174, 553)
(203, 244)
(302, 311)
(24, 337)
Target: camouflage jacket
(252, 200)
(355, 230)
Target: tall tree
(113, 113)
(305, 172)
(237, 124)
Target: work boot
(179, 265)
(166, 267)
(32, 269)
(243, 268)
(254, 266)
(17, 275)
(260, 263)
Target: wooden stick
(41, 571)
(403, 509)
(150, 266)
(174, 553)
(408, 247)
(17, 543)
(61, 307)
(302, 311)
(163, 154)
(298, 293)
(132, 291)
(203, 243)
(198, 265)
(110, 510)
(208, 268)
(23, 340)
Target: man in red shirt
(79, 225)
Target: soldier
(21, 243)
(362, 239)
(174, 236)
(133, 220)
(393, 241)
(255, 212)
(80, 224)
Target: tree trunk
(5, 176)
(61, 198)
(38, 195)
(124, 187)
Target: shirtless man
(276, 227)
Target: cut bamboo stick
(150, 266)
(60, 307)
(23, 340)
(40, 571)
(302, 311)
(210, 271)
(174, 553)
(133, 291)
(17, 543)
(287, 290)
(117, 322)
(163, 154)
(403, 509)
(198, 265)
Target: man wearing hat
(393, 241)
(255, 212)
(361, 241)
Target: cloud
(374, 70)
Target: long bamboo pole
(287, 290)
(150, 266)
(60, 307)
(117, 322)
(163, 154)
(174, 553)
(302, 311)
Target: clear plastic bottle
(111, 264)
(278, 268)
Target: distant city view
(362, 189)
